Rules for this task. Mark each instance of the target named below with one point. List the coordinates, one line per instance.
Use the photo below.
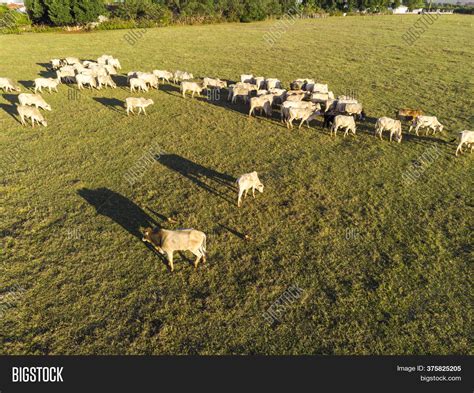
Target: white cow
(35, 100)
(285, 108)
(320, 88)
(8, 85)
(106, 81)
(272, 83)
(430, 122)
(246, 78)
(30, 112)
(164, 75)
(346, 122)
(388, 124)
(465, 138)
(50, 83)
(246, 182)
(211, 82)
(263, 102)
(150, 79)
(193, 87)
(140, 103)
(83, 79)
(303, 114)
(182, 76)
(166, 242)
(67, 73)
(137, 83)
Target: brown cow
(409, 114)
(166, 242)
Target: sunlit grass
(384, 267)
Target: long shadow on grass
(11, 110)
(111, 103)
(120, 80)
(119, 208)
(46, 66)
(28, 84)
(207, 179)
(47, 74)
(168, 88)
(11, 98)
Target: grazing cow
(346, 122)
(151, 80)
(114, 63)
(8, 85)
(193, 87)
(140, 103)
(295, 96)
(272, 83)
(30, 112)
(110, 69)
(263, 102)
(246, 182)
(409, 114)
(72, 60)
(67, 73)
(137, 83)
(298, 84)
(388, 124)
(305, 114)
(320, 88)
(106, 81)
(166, 242)
(246, 78)
(278, 94)
(163, 75)
(182, 76)
(217, 83)
(239, 91)
(350, 108)
(430, 122)
(56, 63)
(82, 80)
(465, 138)
(90, 64)
(259, 81)
(285, 108)
(33, 99)
(50, 83)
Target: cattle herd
(304, 101)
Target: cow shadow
(47, 73)
(111, 103)
(234, 232)
(46, 66)
(205, 178)
(11, 110)
(27, 84)
(120, 80)
(119, 208)
(11, 98)
(169, 88)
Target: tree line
(162, 12)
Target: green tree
(412, 4)
(37, 11)
(59, 12)
(85, 11)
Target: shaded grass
(384, 267)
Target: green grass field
(384, 266)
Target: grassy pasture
(385, 267)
